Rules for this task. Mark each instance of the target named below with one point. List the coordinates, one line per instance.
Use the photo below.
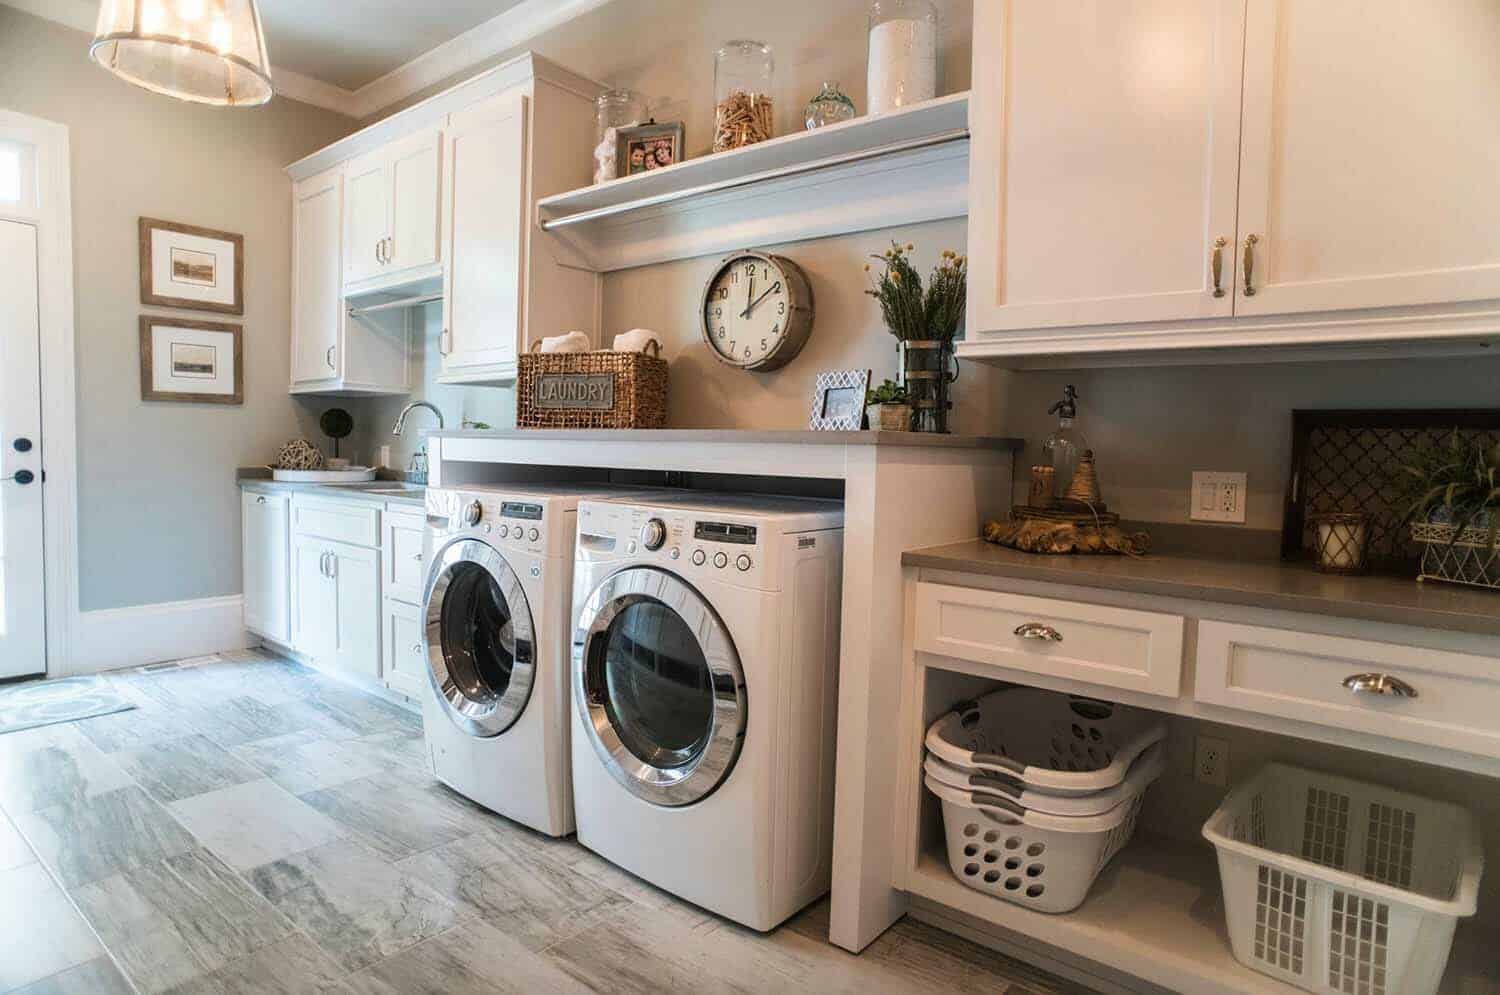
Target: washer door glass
(659, 686)
(480, 650)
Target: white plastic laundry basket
(1342, 887)
(1045, 862)
(1145, 770)
(1040, 740)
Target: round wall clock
(757, 310)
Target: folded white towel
(569, 342)
(634, 340)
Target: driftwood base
(1049, 530)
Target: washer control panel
(505, 521)
(689, 543)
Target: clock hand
(749, 293)
(752, 305)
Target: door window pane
(658, 688)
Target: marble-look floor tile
(293, 966)
(54, 764)
(182, 768)
(618, 958)
(171, 920)
(89, 839)
(41, 933)
(473, 958)
(254, 823)
(239, 719)
(396, 749)
(357, 907)
(14, 850)
(398, 815)
(96, 977)
(537, 902)
(303, 761)
(144, 726)
(366, 714)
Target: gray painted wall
(157, 506)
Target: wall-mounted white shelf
(898, 168)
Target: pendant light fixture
(206, 51)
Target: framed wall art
(196, 361)
(187, 267)
(646, 147)
(838, 402)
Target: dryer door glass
(480, 649)
(658, 684)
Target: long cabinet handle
(328, 358)
(1381, 684)
(333, 564)
(390, 248)
(1216, 263)
(1251, 241)
(323, 564)
(1038, 630)
(445, 342)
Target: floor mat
(41, 703)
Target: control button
(654, 534)
(676, 553)
(742, 562)
(630, 546)
(485, 528)
(721, 561)
(698, 557)
(534, 535)
(473, 512)
(504, 531)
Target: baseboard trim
(111, 638)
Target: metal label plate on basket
(576, 391)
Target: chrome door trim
(472, 717)
(668, 786)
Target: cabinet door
(267, 583)
(1370, 141)
(356, 578)
(404, 570)
(405, 664)
(415, 180)
(366, 222)
(1103, 161)
(485, 224)
(313, 600)
(317, 293)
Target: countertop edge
(869, 437)
(340, 491)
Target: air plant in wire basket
(924, 323)
(1453, 495)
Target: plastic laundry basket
(1043, 741)
(1044, 862)
(1338, 886)
(1145, 770)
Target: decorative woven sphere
(299, 454)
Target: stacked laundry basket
(1040, 790)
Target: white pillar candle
(1341, 545)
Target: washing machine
(497, 609)
(704, 680)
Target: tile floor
(256, 827)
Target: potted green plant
(924, 322)
(887, 407)
(1453, 495)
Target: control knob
(472, 513)
(654, 534)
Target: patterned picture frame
(838, 401)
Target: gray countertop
(1256, 584)
(742, 436)
(347, 492)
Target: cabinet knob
(417, 557)
(261, 499)
(416, 648)
(1037, 630)
(1381, 684)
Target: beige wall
(157, 509)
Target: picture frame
(652, 142)
(184, 266)
(196, 362)
(838, 401)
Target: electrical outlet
(1211, 761)
(1217, 496)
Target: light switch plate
(1217, 496)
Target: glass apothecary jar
(743, 111)
(613, 110)
(902, 66)
(830, 106)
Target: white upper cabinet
(1103, 160)
(392, 195)
(366, 215)
(1370, 144)
(317, 297)
(485, 215)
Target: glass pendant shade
(206, 51)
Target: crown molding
(295, 86)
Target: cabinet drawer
(404, 569)
(357, 524)
(1300, 675)
(1111, 647)
(405, 659)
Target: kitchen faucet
(401, 418)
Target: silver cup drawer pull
(1037, 630)
(1382, 684)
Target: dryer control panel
(505, 521)
(728, 547)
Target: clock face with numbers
(757, 311)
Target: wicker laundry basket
(600, 389)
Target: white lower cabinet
(336, 618)
(267, 581)
(405, 663)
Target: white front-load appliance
(704, 679)
(497, 608)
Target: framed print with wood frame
(196, 361)
(838, 402)
(643, 148)
(187, 267)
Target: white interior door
(23, 645)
